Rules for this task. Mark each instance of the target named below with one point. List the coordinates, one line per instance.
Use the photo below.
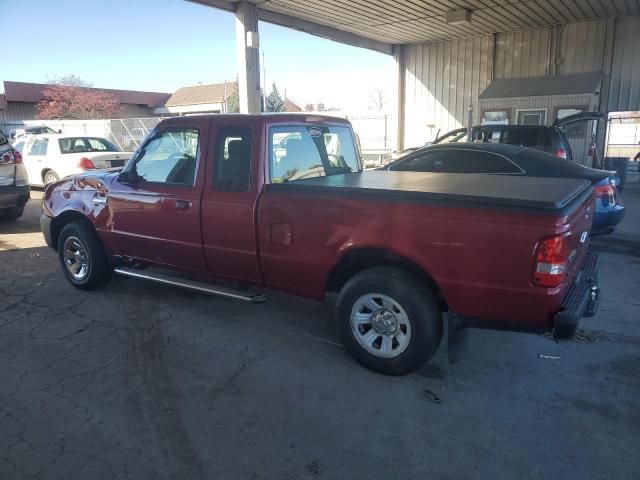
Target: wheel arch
(356, 260)
(64, 219)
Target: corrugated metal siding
(18, 111)
(522, 54)
(442, 80)
(582, 47)
(624, 92)
(411, 21)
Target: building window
(496, 117)
(532, 117)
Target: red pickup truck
(231, 202)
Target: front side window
(169, 157)
(39, 146)
(299, 152)
(233, 159)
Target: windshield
(86, 144)
(298, 152)
(3, 139)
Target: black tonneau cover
(550, 194)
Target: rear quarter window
(307, 151)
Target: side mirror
(59, 130)
(126, 177)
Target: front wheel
(389, 320)
(82, 256)
(50, 177)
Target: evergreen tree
(274, 100)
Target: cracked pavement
(142, 381)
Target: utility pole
(264, 84)
(225, 109)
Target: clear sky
(162, 45)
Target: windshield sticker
(315, 132)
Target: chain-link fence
(374, 132)
(128, 133)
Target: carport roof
(576, 84)
(390, 22)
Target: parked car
(14, 186)
(51, 157)
(548, 139)
(215, 197)
(497, 159)
(33, 130)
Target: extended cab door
(229, 201)
(155, 203)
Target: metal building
(448, 52)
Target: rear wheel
(50, 177)
(389, 320)
(82, 256)
(11, 214)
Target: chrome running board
(192, 285)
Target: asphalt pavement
(142, 381)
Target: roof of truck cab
(505, 191)
(284, 117)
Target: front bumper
(14, 196)
(45, 226)
(581, 300)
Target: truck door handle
(183, 205)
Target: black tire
(415, 298)
(98, 271)
(11, 214)
(50, 177)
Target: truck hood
(91, 180)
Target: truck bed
(499, 191)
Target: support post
(248, 58)
(400, 73)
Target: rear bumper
(14, 196)
(581, 300)
(605, 221)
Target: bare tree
(377, 98)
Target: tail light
(606, 193)
(86, 164)
(551, 258)
(11, 157)
(561, 153)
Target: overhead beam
(306, 26)
(323, 31)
